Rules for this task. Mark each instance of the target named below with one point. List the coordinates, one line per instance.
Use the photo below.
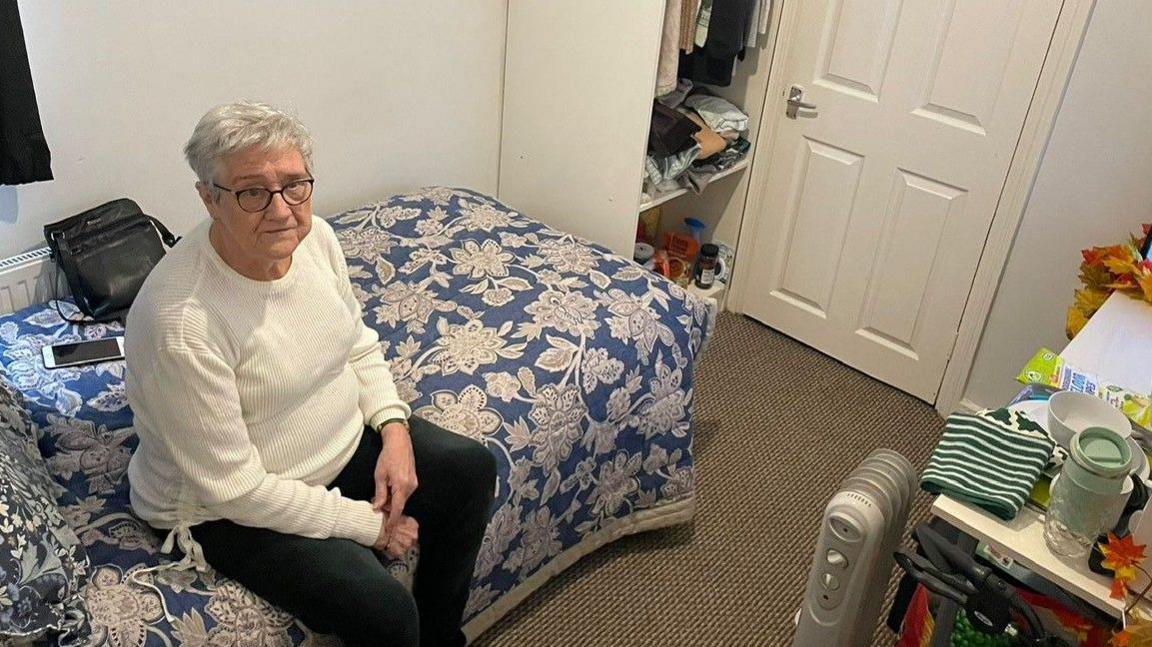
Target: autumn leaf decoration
(1124, 557)
(1138, 634)
(1105, 270)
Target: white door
(877, 203)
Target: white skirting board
(26, 279)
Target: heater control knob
(836, 558)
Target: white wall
(397, 95)
(1094, 187)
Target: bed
(574, 366)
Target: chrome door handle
(796, 103)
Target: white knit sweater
(251, 396)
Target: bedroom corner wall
(397, 96)
(1092, 188)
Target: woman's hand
(395, 476)
(400, 540)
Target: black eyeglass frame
(311, 186)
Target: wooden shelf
(665, 197)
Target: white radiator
(862, 525)
(26, 279)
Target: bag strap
(169, 239)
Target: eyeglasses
(257, 198)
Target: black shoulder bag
(106, 253)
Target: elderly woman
(273, 445)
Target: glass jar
(706, 266)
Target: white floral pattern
(243, 619)
(467, 415)
(468, 346)
(93, 450)
(482, 260)
(121, 611)
(567, 312)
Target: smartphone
(85, 352)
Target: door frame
(1067, 35)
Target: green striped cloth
(990, 459)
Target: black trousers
(339, 586)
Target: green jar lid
(1102, 451)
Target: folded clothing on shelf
(709, 141)
(663, 172)
(990, 459)
(690, 143)
(671, 131)
(718, 113)
(701, 172)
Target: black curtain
(24, 155)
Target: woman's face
(258, 245)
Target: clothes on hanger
(754, 24)
(728, 23)
(689, 12)
(666, 70)
(765, 16)
(24, 154)
(703, 18)
(761, 13)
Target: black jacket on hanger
(24, 155)
(728, 28)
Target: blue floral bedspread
(572, 365)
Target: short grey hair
(233, 127)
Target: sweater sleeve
(379, 400)
(190, 397)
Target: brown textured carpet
(778, 425)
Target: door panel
(856, 46)
(965, 81)
(909, 246)
(874, 212)
(823, 203)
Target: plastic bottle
(695, 228)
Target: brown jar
(706, 266)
